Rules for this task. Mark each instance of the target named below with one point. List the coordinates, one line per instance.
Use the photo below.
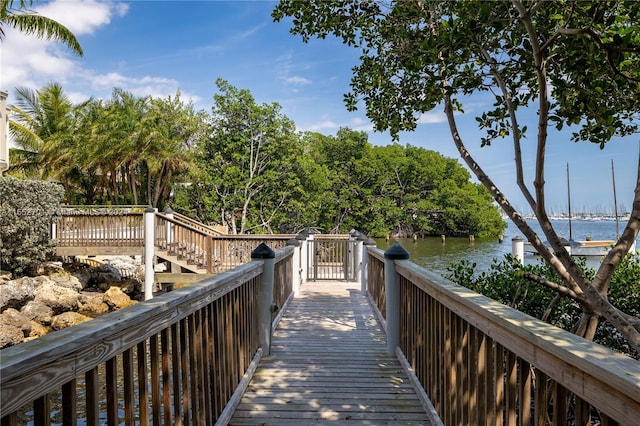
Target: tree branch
(606, 47)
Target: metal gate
(330, 258)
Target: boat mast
(569, 200)
(615, 201)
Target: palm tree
(42, 128)
(30, 22)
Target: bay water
(436, 256)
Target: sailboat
(592, 250)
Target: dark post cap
(396, 252)
(368, 241)
(263, 251)
(293, 242)
(517, 238)
(169, 210)
(149, 209)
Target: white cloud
(31, 62)
(28, 61)
(323, 125)
(83, 17)
(327, 125)
(432, 117)
(297, 80)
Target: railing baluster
(92, 396)
(176, 362)
(127, 373)
(156, 404)
(143, 384)
(69, 403)
(42, 411)
(111, 380)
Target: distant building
(4, 132)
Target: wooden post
(356, 242)
(265, 307)
(311, 257)
(517, 248)
(149, 251)
(392, 290)
(302, 237)
(295, 266)
(170, 226)
(366, 245)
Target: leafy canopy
(416, 52)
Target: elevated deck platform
(328, 363)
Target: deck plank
(328, 363)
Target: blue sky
(159, 47)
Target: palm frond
(42, 27)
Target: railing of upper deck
(81, 228)
(175, 359)
(211, 252)
(188, 240)
(481, 362)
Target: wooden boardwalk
(328, 364)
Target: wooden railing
(211, 252)
(175, 359)
(482, 362)
(97, 228)
(195, 224)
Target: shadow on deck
(329, 363)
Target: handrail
(125, 229)
(178, 356)
(213, 253)
(480, 360)
(194, 223)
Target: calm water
(436, 256)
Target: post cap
(293, 242)
(263, 251)
(517, 238)
(169, 210)
(396, 252)
(149, 209)
(368, 241)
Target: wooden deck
(328, 364)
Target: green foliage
(505, 283)
(17, 14)
(139, 147)
(27, 209)
(247, 173)
(416, 53)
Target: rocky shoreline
(62, 295)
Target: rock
(92, 305)
(15, 293)
(68, 281)
(68, 319)
(50, 268)
(59, 299)
(128, 266)
(117, 299)
(5, 276)
(14, 318)
(38, 312)
(12, 322)
(10, 335)
(129, 286)
(106, 274)
(36, 330)
(83, 275)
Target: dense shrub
(505, 283)
(27, 208)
